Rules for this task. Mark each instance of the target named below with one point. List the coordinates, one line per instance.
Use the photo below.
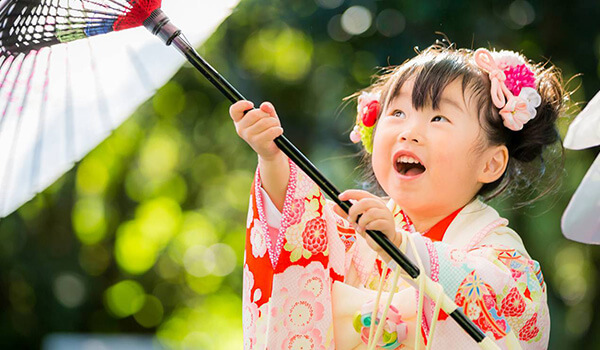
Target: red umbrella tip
(140, 10)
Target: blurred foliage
(146, 234)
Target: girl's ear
(496, 160)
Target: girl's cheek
(443, 160)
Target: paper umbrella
(581, 219)
(60, 97)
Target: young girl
(442, 131)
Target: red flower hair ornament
(367, 114)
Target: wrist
(278, 158)
(274, 176)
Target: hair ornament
(513, 86)
(367, 113)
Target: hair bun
(529, 143)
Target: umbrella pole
(160, 25)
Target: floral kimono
(310, 282)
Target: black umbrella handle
(159, 24)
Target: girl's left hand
(375, 216)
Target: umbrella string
(374, 335)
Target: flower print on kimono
(307, 236)
(253, 317)
(258, 240)
(478, 301)
(305, 187)
(514, 304)
(250, 312)
(302, 307)
(519, 266)
(311, 340)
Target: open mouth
(409, 166)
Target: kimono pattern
(295, 275)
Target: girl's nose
(410, 134)
(407, 138)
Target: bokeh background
(145, 235)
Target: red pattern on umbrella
(140, 11)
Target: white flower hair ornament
(367, 113)
(513, 86)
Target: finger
(378, 224)
(268, 108)
(361, 206)
(236, 111)
(382, 225)
(355, 194)
(260, 126)
(269, 134)
(370, 215)
(251, 118)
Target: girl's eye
(439, 118)
(399, 114)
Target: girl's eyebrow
(452, 103)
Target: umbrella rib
(102, 100)
(37, 160)
(4, 8)
(139, 68)
(12, 89)
(5, 58)
(69, 135)
(126, 6)
(110, 15)
(123, 9)
(7, 171)
(93, 24)
(105, 15)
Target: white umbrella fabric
(60, 102)
(581, 219)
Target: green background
(146, 233)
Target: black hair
(434, 68)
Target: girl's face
(427, 160)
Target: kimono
(308, 278)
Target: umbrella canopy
(581, 220)
(59, 102)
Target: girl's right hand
(258, 127)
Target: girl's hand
(375, 216)
(258, 127)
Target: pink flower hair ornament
(513, 87)
(367, 114)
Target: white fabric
(272, 213)
(580, 221)
(473, 218)
(584, 131)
